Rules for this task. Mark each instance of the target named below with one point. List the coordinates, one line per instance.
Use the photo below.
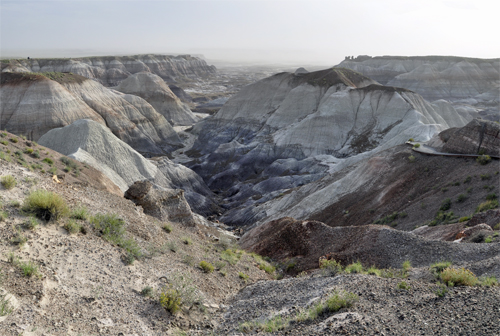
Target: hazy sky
(312, 31)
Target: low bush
(14, 140)
(170, 299)
(28, 150)
(45, 205)
(417, 145)
(231, 256)
(243, 276)
(147, 291)
(167, 228)
(461, 198)
(187, 240)
(48, 161)
(491, 204)
(491, 197)
(3, 215)
(403, 285)
(445, 205)
(29, 268)
(488, 281)
(468, 179)
(80, 212)
(356, 267)
(458, 277)
(206, 267)
(8, 181)
(483, 159)
(32, 223)
(438, 267)
(330, 267)
(72, 227)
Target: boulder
(472, 231)
(164, 204)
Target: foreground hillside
(70, 276)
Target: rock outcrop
(154, 90)
(33, 104)
(165, 204)
(477, 137)
(305, 242)
(289, 130)
(90, 142)
(111, 70)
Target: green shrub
(48, 161)
(374, 271)
(337, 301)
(3, 134)
(491, 197)
(147, 291)
(468, 179)
(45, 205)
(461, 198)
(8, 181)
(445, 205)
(28, 150)
(14, 140)
(268, 268)
(458, 277)
(5, 306)
(403, 285)
(167, 228)
(32, 223)
(330, 267)
(441, 290)
(187, 240)
(411, 158)
(485, 176)
(243, 276)
(72, 227)
(354, 268)
(15, 204)
(36, 154)
(491, 204)
(483, 159)
(3, 215)
(231, 256)
(53, 170)
(111, 227)
(464, 219)
(172, 246)
(439, 267)
(4, 142)
(206, 267)
(19, 238)
(417, 145)
(411, 140)
(80, 212)
(28, 268)
(489, 281)
(170, 299)
(406, 267)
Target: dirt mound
(304, 242)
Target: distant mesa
(434, 77)
(111, 70)
(300, 71)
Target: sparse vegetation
(14, 140)
(391, 218)
(417, 145)
(356, 267)
(488, 281)
(8, 181)
(403, 285)
(147, 291)
(461, 198)
(231, 256)
(29, 268)
(72, 227)
(490, 204)
(170, 299)
(48, 161)
(468, 179)
(167, 228)
(80, 212)
(187, 240)
(206, 267)
(45, 205)
(243, 276)
(458, 277)
(445, 205)
(483, 159)
(112, 229)
(411, 158)
(32, 223)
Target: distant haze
(272, 31)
